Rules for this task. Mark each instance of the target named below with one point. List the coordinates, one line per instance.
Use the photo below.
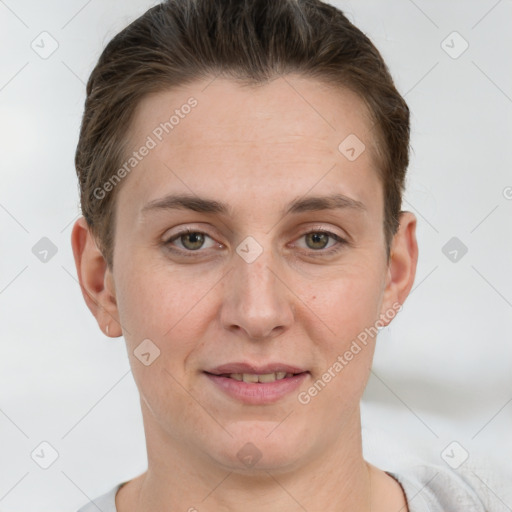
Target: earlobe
(95, 278)
(402, 266)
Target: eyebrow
(299, 205)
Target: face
(245, 274)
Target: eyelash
(315, 253)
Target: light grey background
(443, 369)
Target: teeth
(249, 377)
(266, 377)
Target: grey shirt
(427, 487)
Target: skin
(256, 149)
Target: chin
(260, 446)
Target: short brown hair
(180, 41)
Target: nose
(257, 302)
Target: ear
(95, 278)
(401, 268)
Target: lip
(256, 393)
(241, 367)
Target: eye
(318, 241)
(190, 240)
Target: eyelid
(320, 228)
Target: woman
(241, 167)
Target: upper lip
(255, 369)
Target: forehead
(288, 106)
(221, 132)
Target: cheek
(145, 296)
(159, 305)
(348, 305)
(348, 310)
(164, 306)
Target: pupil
(319, 238)
(196, 240)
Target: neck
(335, 478)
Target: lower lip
(258, 393)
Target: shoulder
(106, 502)
(435, 488)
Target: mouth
(255, 385)
(255, 377)
(246, 372)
